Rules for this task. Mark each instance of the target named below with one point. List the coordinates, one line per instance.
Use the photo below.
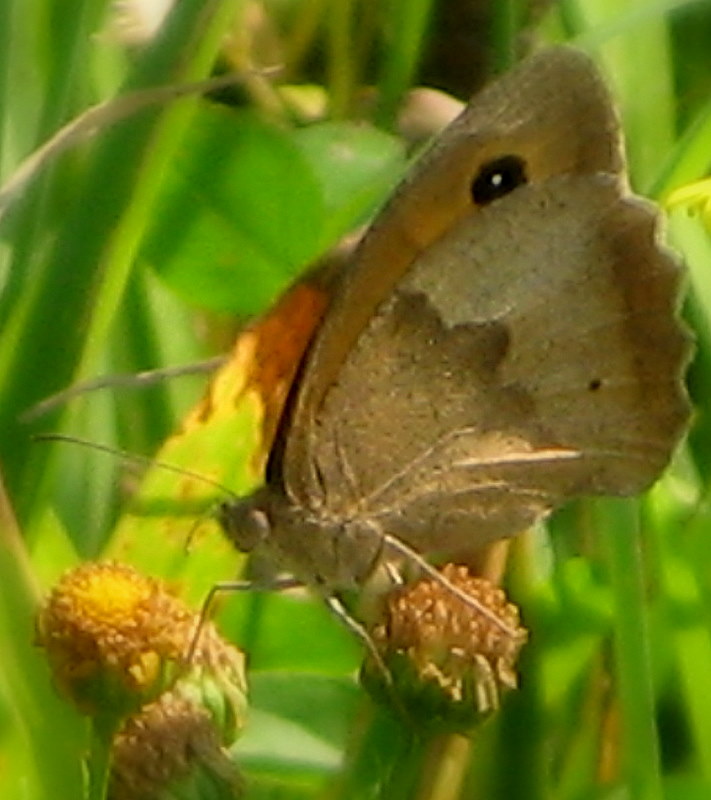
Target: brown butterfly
(504, 338)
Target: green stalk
(618, 523)
(341, 79)
(408, 22)
(99, 759)
(121, 249)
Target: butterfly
(504, 338)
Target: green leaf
(240, 216)
(355, 166)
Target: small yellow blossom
(166, 704)
(113, 636)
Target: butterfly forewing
(553, 112)
(505, 338)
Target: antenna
(135, 458)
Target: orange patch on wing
(265, 359)
(281, 341)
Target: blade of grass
(618, 523)
(51, 735)
(689, 159)
(341, 78)
(646, 98)
(92, 257)
(407, 25)
(506, 25)
(689, 626)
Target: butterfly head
(245, 523)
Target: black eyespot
(497, 178)
(594, 384)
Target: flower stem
(99, 762)
(447, 761)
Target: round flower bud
(444, 660)
(172, 749)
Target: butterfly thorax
(322, 552)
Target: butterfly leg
(276, 585)
(339, 610)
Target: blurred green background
(151, 241)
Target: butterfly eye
(497, 178)
(245, 525)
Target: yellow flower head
(448, 661)
(113, 636)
